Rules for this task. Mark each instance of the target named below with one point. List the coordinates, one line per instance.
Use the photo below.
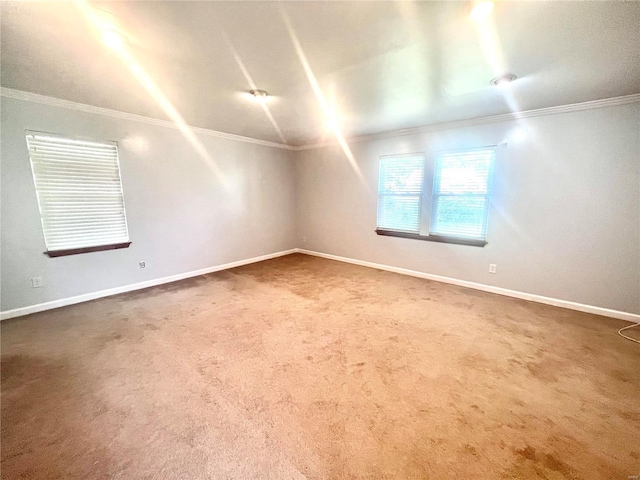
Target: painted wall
(564, 221)
(181, 217)
(565, 215)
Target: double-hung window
(400, 193)
(79, 194)
(461, 188)
(455, 205)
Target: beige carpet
(302, 367)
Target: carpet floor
(302, 367)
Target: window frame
(486, 195)
(420, 195)
(89, 248)
(427, 207)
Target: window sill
(76, 251)
(433, 238)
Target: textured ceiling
(369, 67)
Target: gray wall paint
(565, 214)
(564, 222)
(180, 218)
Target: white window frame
(428, 205)
(54, 148)
(420, 195)
(486, 195)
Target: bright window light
(461, 191)
(79, 193)
(400, 193)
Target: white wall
(565, 215)
(564, 222)
(180, 217)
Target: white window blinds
(400, 193)
(79, 192)
(462, 185)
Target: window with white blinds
(79, 193)
(400, 193)
(461, 189)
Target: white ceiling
(379, 66)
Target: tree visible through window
(461, 188)
(458, 203)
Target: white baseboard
(40, 307)
(631, 317)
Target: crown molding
(573, 107)
(83, 107)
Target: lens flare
(152, 88)
(329, 115)
(262, 97)
(492, 49)
(481, 11)
(112, 39)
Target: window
(461, 186)
(400, 193)
(79, 194)
(455, 205)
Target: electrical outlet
(143, 265)
(36, 282)
(304, 239)
(492, 268)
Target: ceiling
(363, 67)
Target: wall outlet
(492, 268)
(304, 239)
(143, 265)
(36, 282)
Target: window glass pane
(463, 173)
(459, 215)
(401, 174)
(399, 213)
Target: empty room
(320, 240)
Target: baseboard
(630, 317)
(40, 307)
